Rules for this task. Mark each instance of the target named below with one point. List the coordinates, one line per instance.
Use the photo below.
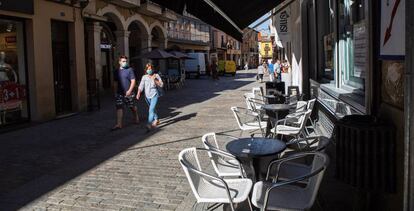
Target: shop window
(328, 41)
(13, 89)
(353, 54)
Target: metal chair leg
(250, 204)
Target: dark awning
(241, 12)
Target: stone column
(94, 68)
(122, 43)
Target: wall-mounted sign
(106, 46)
(392, 43)
(23, 6)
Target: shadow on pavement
(38, 159)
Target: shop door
(61, 67)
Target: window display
(13, 98)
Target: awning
(241, 12)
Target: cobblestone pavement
(78, 164)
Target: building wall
(44, 107)
(40, 60)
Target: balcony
(151, 9)
(127, 3)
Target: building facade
(225, 47)
(250, 48)
(41, 60)
(51, 51)
(188, 34)
(122, 28)
(355, 65)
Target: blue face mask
(149, 71)
(124, 65)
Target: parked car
(227, 67)
(195, 66)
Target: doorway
(61, 67)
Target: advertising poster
(392, 42)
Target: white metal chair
(284, 195)
(224, 166)
(248, 120)
(208, 188)
(296, 130)
(293, 169)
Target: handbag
(161, 91)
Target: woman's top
(148, 85)
(260, 69)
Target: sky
(264, 27)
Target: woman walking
(150, 83)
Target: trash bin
(272, 87)
(365, 153)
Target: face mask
(124, 65)
(149, 72)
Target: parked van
(195, 66)
(227, 67)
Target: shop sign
(392, 42)
(23, 6)
(106, 46)
(283, 24)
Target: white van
(196, 66)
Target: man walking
(271, 71)
(124, 83)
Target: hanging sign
(283, 25)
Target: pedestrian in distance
(151, 83)
(214, 70)
(271, 71)
(124, 84)
(278, 70)
(260, 72)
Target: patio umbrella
(180, 55)
(156, 54)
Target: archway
(138, 44)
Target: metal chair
(224, 166)
(293, 169)
(296, 130)
(208, 188)
(248, 120)
(284, 195)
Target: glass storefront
(352, 43)
(13, 87)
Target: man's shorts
(122, 100)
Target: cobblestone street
(76, 163)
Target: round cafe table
(255, 154)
